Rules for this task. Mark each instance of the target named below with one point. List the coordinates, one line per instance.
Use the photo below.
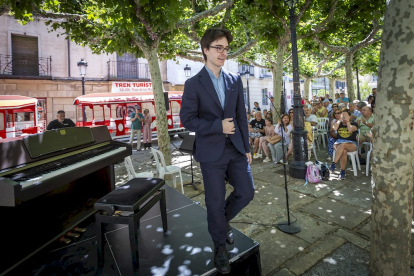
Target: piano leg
(99, 240)
(133, 241)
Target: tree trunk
(306, 87)
(349, 76)
(162, 126)
(331, 88)
(394, 145)
(278, 80)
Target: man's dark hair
(61, 111)
(211, 35)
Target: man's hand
(249, 157)
(228, 126)
(364, 121)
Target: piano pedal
(65, 240)
(79, 230)
(73, 235)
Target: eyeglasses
(337, 113)
(220, 49)
(334, 106)
(291, 112)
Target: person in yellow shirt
(321, 111)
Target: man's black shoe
(230, 238)
(221, 259)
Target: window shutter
(127, 66)
(25, 56)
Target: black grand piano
(49, 183)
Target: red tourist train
(113, 110)
(20, 115)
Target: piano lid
(57, 140)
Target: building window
(264, 97)
(25, 55)
(339, 84)
(264, 73)
(243, 68)
(127, 67)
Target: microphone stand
(285, 226)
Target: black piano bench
(124, 206)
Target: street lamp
(297, 168)
(247, 75)
(82, 71)
(187, 71)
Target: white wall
(55, 47)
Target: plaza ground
(334, 216)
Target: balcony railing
(128, 70)
(25, 66)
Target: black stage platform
(186, 249)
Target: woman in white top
(277, 149)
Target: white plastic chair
(164, 169)
(131, 171)
(365, 144)
(323, 129)
(353, 156)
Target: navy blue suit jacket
(202, 113)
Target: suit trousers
(220, 210)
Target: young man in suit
(213, 107)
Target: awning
(15, 102)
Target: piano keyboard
(36, 179)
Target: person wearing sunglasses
(333, 134)
(346, 141)
(332, 113)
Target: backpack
(312, 174)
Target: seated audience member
(327, 104)
(269, 131)
(334, 107)
(256, 108)
(314, 107)
(346, 140)
(333, 134)
(249, 117)
(277, 150)
(321, 111)
(365, 123)
(320, 99)
(60, 122)
(354, 112)
(336, 97)
(311, 118)
(327, 96)
(269, 115)
(264, 113)
(256, 129)
(371, 98)
(360, 105)
(342, 98)
(309, 139)
(291, 116)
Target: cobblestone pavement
(334, 216)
